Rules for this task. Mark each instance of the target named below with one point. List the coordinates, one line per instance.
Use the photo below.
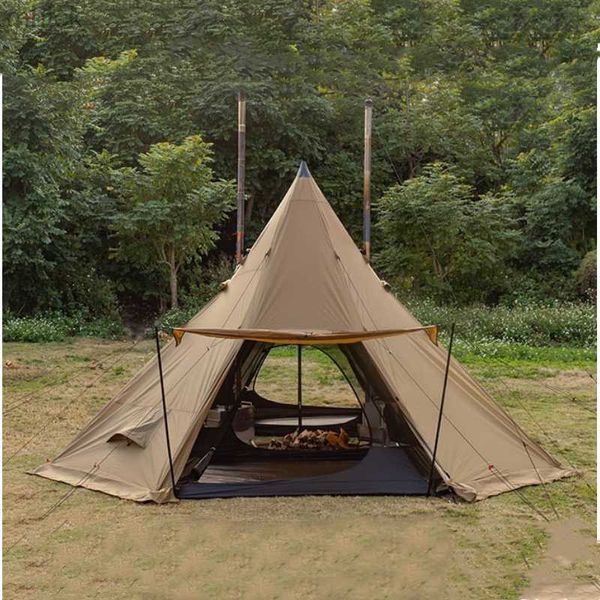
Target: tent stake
(164, 405)
(299, 388)
(439, 423)
(241, 177)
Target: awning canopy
(299, 337)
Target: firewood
(312, 440)
(343, 438)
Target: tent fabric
(303, 273)
(302, 337)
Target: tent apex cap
(303, 170)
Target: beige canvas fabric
(300, 337)
(305, 274)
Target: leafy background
(484, 143)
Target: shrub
(34, 329)
(176, 317)
(57, 327)
(532, 324)
(466, 254)
(567, 323)
(105, 328)
(585, 276)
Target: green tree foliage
(502, 92)
(585, 276)
(171, 208)
(443, 241)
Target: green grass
(308, 353)
(520, 360)
(96, 546)
(323, 383)
(495, 359)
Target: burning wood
(314, 440)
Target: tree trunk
(173, 279)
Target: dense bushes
(465, 255)
(567, 324)
(585, 276)
(176, 317)
(55, 328)
(572, 324)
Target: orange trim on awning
(305, 338)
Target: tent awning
(307, 338)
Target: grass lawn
(96, 546)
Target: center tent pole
(164, 405)
(299, 388)
(439, 423)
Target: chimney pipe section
(241, 177)
(367, 181)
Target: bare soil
(569, 549)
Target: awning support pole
(241, 177)
(164, 405)
(367, 181)
(299, 388)
(439, 423)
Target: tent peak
(303, 170)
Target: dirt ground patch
(569, 548)
(227, 558)
(61, 543)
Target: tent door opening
(230, 457)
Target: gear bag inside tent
(303, 283)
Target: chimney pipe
(241, 177)
(367, 181)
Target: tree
(441, 238)
(500, 91)
(43, 147)
(171, 208)
(56, 203)
(585, 276)
(555, 213)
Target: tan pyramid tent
(304, 281)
